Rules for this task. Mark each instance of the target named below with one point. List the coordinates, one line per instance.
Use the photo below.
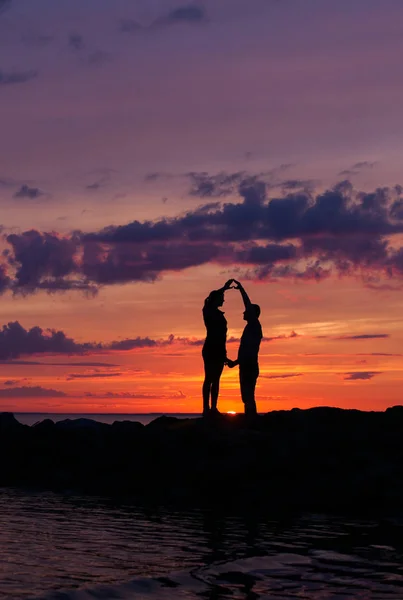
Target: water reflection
(51, 542)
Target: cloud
(360, 375)
(94, 186)
(283, 376)
(138, 396)
(222, 184)
(15, 341)
(31, 392)
(191, 14)
(186, 14)
(300, 236)
(129, 26)
(28, 192)
(15, 381)
(379, 354)
(291, 336)
(357, 167)
(38, 257)
(5, 280)
(364, 336)
(364, 164)
(38, 363)
(76, 41)
(95, 375)
(298, 184)
(5, 5)
(13, 77)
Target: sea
(64, 546)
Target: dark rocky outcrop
(316, 459)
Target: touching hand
(237, 284)
(230, 363)
(228, 284)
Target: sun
(231, 412)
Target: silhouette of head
(252, 312)
(215, 298)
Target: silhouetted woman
(214, 349)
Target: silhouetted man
(248, 352)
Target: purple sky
(117, 111)
(248, 85)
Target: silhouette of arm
(245, 297)
(226, 285)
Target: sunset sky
(152, 149)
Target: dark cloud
(364, 164)
(360, 375)
(5, 5)
(130, 344)
(379, 354)
(87, 364)
(12, 77)
(283, 376)
(137, 396)
(204, 185)
(364, 336)
(357, 167)
(186, 14)
(76, 41)
(5, 281)
(31, 392)
(291, 336)
(190, 14)
(38, 257)
(15, 341)
(129, 26)
(57, 364)
(15, 381)
(95, 375)
(299, 236)
(28, 192)
(94, 186)
(298, 184)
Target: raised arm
(226, 285)
(245, 297)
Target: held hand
(230, 363)
(237, 285)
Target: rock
(44, 427)
(125, 428)
(9, 424)
(320, 459)
(163, 422)
(81, 424)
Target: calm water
(32, 418)
(94, 549)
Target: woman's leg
(206, 389)
(215, 385)
(206, 394)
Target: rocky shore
(320, 459)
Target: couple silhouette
(215, 353)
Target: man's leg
(247, 379)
